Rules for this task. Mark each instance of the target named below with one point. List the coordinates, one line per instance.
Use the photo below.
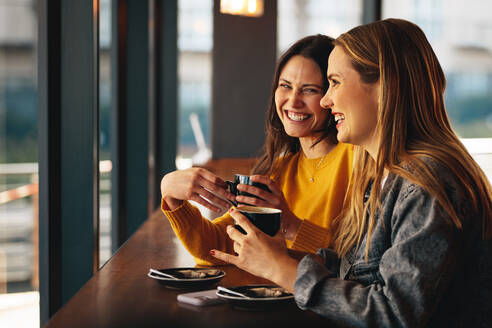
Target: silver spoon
(227, 290)
(162, 274)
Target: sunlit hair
(278, 142)
(413, 126)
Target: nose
(326, 102)
(295, 99)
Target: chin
(296, 134)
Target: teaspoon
(227, 290)
(162, 274)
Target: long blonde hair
(412, 125)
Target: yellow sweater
(316, 202)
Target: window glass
(194, 76)
(299, 18)
(104, 132)
(461, 34)
(19, 299)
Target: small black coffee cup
(264, 218)
(244, 179)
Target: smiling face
(353, 103)
(297, 98)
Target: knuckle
(195, 175)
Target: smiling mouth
(339, 118)
(296, 116)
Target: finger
(243, 222)
(234, 234)
(266, 195)
(203, 202)
(228, 258)
(211, 197)
(271, 184)
(209, 176)
(216, 189)
(236, 247)
(253, 201)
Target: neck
(320, 149)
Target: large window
(19, 300)
(194, 75)
(461, 34)
(104, 132)
(299, 18)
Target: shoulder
(284, 163)
(342, 153)
(286, 159)
(425, 173)
(345, 147)
(425, 183)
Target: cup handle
(231, 186)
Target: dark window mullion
(129, 118)
(68, 161)
(371, 11)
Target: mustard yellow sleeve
(310, 237)
(198, 234)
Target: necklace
(316, 167)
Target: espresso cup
(264, 218)
(244, 179)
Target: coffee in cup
(264, 218)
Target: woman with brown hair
(303, 165)
(413, 245)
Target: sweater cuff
(310, 237)
(181, 216)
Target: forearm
(285, 274)
(170, 204)
(198, 234)
(347, 302)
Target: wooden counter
(121, 294)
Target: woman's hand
(260, 254)
(274, 199)
(195, 184)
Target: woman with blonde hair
(413, 245)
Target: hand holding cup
(195, 184)
(270, 195)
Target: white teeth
(297, 116)
(339, 117)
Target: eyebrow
(304, 85)
(332, 75)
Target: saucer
(187, 278)
(253, 301)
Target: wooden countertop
(121, 294)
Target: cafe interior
(80, 286)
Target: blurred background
(459, 31)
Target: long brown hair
(413, 126)
(278, 142)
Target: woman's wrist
(172, 203)
(286, 273)
(290, 227)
